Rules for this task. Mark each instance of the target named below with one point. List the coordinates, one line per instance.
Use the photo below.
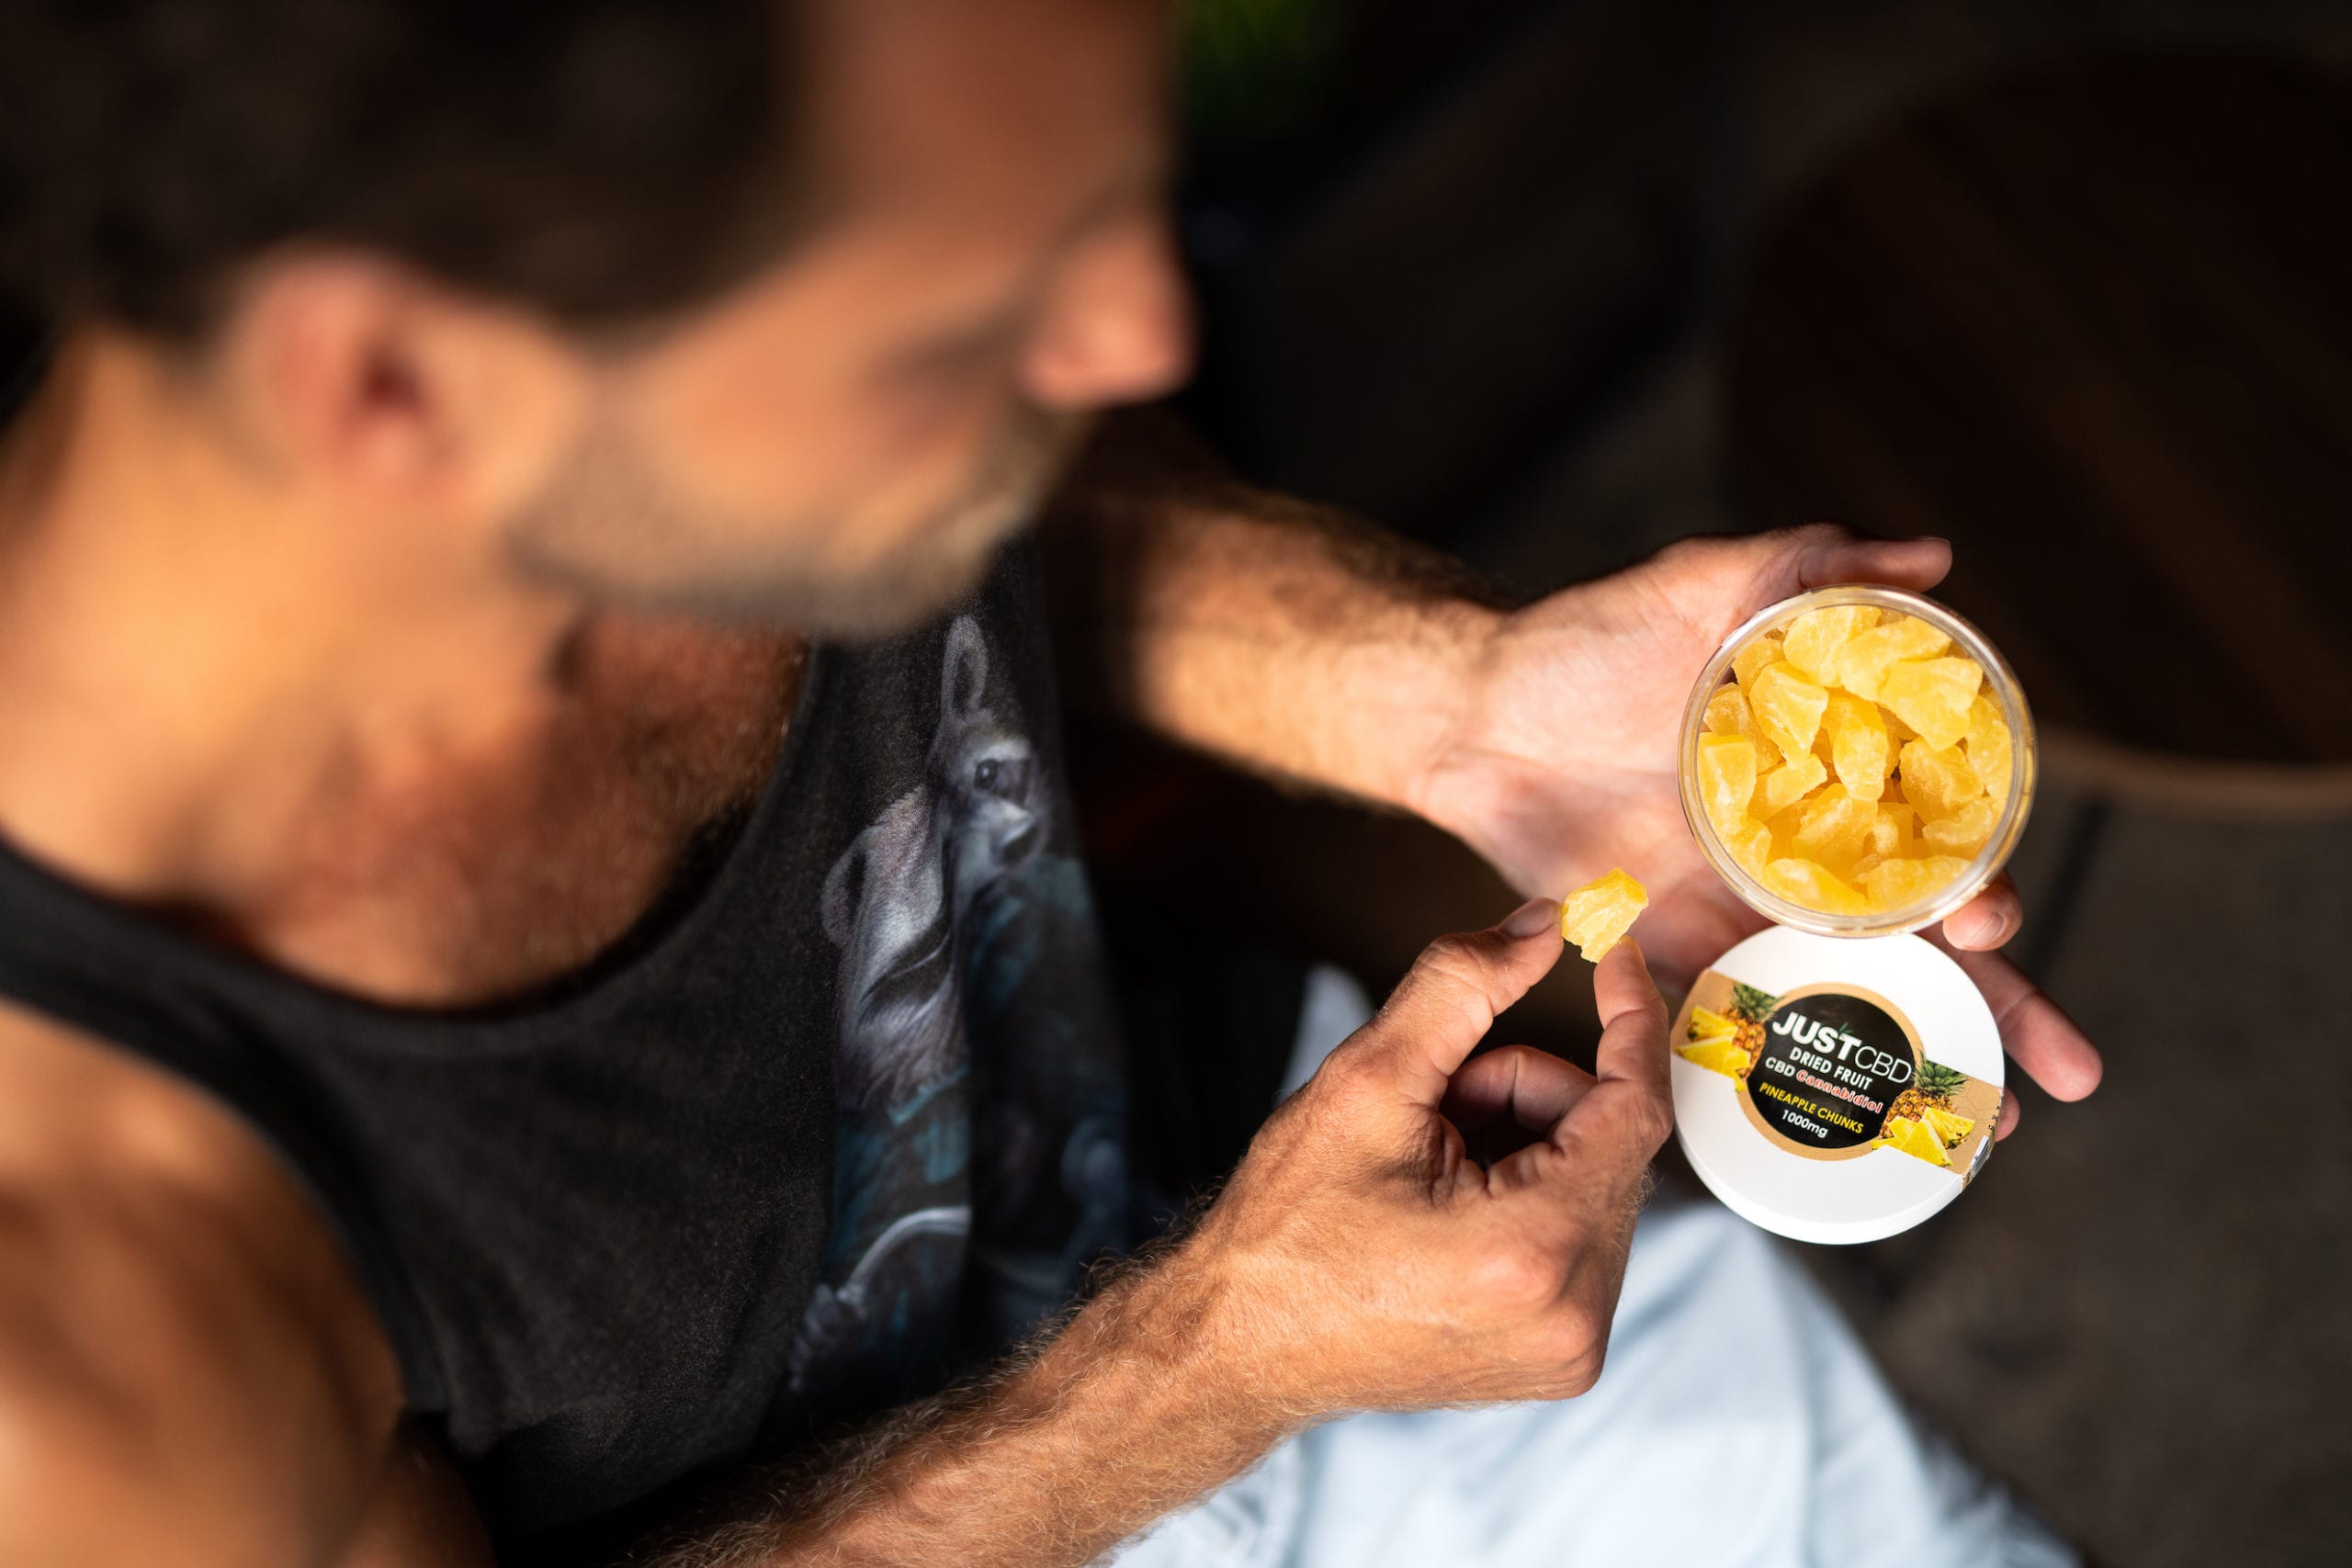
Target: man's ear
(378, 383)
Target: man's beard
(606, 525)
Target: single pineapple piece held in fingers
(1596, 915)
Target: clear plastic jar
(2001, 686)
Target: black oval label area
(1831, 1065)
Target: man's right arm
(175, 1386)
(1358, 1259)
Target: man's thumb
(1446, 1003)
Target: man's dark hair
(603, 160)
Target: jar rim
(2007, 829)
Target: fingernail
(1987, 930)
(1535, 915)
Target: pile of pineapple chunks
(1853, 764)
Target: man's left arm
(1291, 640)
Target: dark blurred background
(1551, 284)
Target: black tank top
(835, 1119)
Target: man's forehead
(971, 105)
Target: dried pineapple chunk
(1726, 779)
(1858, 745)
(1891, 834)
(1596, 915)
(1789, 706)
(1836, 828)
(1865, 657)
(1750, 843)
(1988, 747)
(1785, 786)
(1812, 640)
(1933, 697)
(1783, 827)
(1965, 830)
(1761, 654)
(1813, 885)
(1728, 713)
(1936, 784)
(1899, 884)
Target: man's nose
(1119, 329)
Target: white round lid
(1835, 1089)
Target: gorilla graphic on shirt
(980, 1156)
(894, 901)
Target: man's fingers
(1518, 1086)
(1766, 568)
(2008, 1121)
(2037, 1035)
(1632, 1019)
(1830, 555)
(1631, 1106)
(1444, 1006)
(1989, 919)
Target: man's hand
(1359, 1258)
(1366, 1260)
(1564, 753)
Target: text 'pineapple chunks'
(1789, 706)
(1596, 915)
(1800, 748)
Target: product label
(1835, 1072)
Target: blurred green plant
(1253, 68)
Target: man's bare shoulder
(188, 1372)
